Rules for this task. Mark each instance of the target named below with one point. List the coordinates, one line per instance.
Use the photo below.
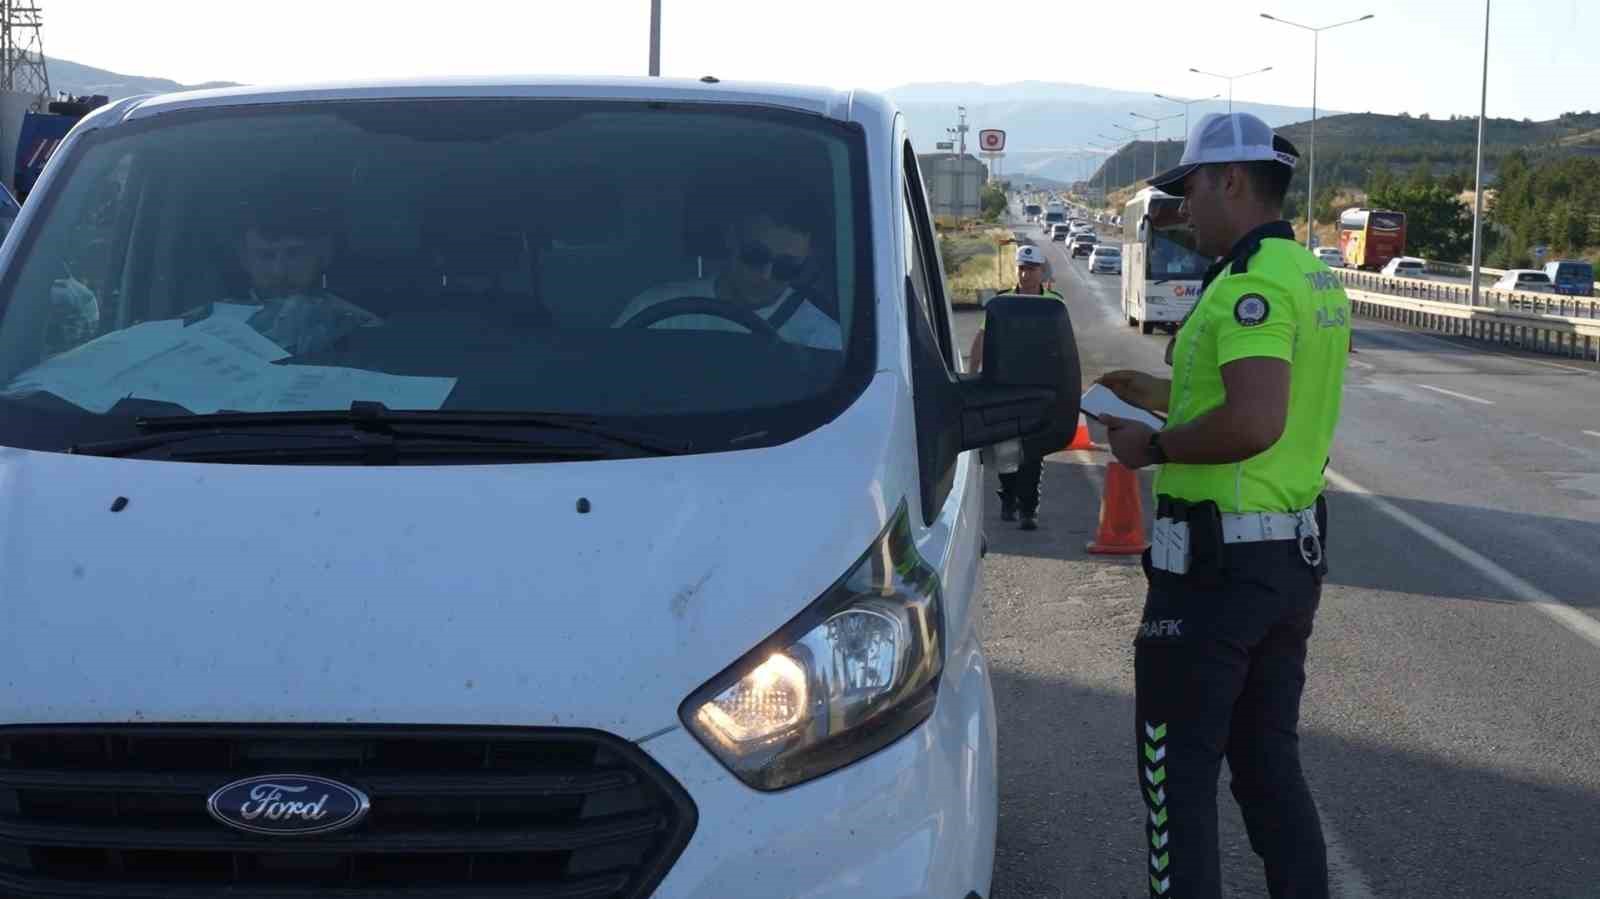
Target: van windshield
(700, 273)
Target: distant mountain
(76, 78)
(1049, 126)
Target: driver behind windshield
(767, 259)
(285, 254)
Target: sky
(1415, 56)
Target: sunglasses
(784, 267)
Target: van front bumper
(916, 819)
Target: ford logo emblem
(288, 805)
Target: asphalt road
(1449, 726)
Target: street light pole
(1231, 79)
(1104, 164)
(655, 38)
(1477, 199)
(1136, 132)
(1186, 104)
(1311, 179)
(1155, 139)
(1118, 142)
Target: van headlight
(851, 674)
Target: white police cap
(1221, 137)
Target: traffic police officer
(1236, 560)
(1019, 490)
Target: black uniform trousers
(1219, 669)
(1022, 486)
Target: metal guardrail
(1457, 270)
(1515, 300)
(1564, 335)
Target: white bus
(1161, 272)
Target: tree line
(1554, 203)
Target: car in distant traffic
(1105, 260)
(1525, 279)
(1060, 231)
(1406, 267)
(1330, 256)
(1571, 276)
(1083, 243)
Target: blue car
(1572, 277)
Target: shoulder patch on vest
(1251, 310)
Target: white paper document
(213, 365)
(1099, 400)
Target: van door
(948, 526)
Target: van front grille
(120, 813)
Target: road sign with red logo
(991, 140)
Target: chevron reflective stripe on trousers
(1155, 776)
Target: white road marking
(1558, 611)
(1566, 446)
(1592, 433)
(1366, 365)
(1459, 396)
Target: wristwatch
(1158, 455)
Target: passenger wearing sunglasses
(768, 259)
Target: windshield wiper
(373, 427)
(129, 446)
(267, 446)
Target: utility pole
(22, 65)
(655, 38)
(1477, 199)
(960, 134)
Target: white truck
(1054, 214)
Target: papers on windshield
(219, 363)
(1099, 401)
(311, 387)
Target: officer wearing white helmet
(1019, 490)
(1235, 572)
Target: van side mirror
(1031, 379)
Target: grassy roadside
(972, 263)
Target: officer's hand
(1136, 387)
(1130, 440)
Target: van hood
(460, 595)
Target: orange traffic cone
(1080, 440)
(1121, 515)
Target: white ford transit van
(379, 519)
